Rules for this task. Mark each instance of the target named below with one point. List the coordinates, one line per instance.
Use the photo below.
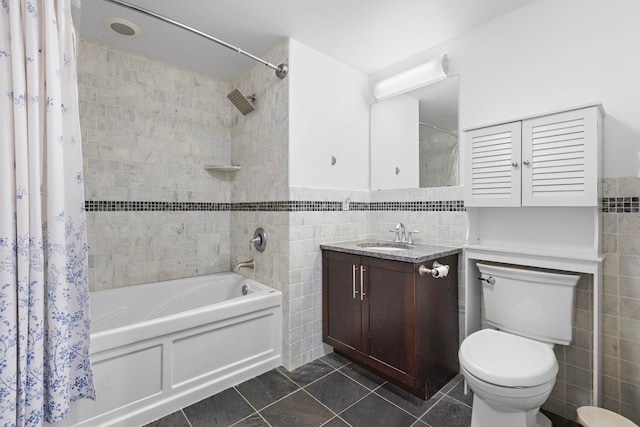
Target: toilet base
(483, 415)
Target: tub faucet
(246, 264)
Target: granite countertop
(417, 254)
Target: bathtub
(159, 347)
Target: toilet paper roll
(440, 271)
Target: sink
(385, 246)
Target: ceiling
(368, 35)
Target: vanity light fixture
(414, 78)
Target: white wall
(329, 116)
(394, 143)
(550, 55)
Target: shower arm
(281, 70)
(438, 128)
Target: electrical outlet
(345, 203)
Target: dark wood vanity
(380, 313)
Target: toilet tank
(531, 303)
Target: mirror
(438, 133)
(433, 152)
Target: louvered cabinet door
(492, 175)
(559, 159)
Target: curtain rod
(438, 128)
(281, 70)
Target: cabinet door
(390, 319)
(492, 166)
(560, 159)
(341, 303)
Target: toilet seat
(507, 360)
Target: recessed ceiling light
(123, 26)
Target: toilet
(511, 367)
(591, 416)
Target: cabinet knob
(514, 164)
(526, 163)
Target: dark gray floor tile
(375, 411)
(457, 393)
(361, 375)
(308, 373)
(177, 419)
(335, 360)
(298, 409)
(254, 420)
(451, 384)
(335, 422)
(337, 391)
(222, 409)
(267, 388)
(448, 413)
(405, 400)
(419, 423)
(559, 421)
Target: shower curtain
(44, 319)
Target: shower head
(243, 103)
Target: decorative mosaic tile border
(283, 206)
(619, 204)
(124, 206)
(607, 205)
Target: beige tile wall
(148, 128)
(307, 231)
(574, 382)
(621, 338)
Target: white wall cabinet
(550, 160)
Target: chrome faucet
(401, 234)
(245, 264)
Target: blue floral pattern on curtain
(44, 292)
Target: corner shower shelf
(222, 168)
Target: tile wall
(148, 129)
(260, 147)
(308, 230)
(621, 321)
(574, 382)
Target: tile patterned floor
(329, 392)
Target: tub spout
(246, 264)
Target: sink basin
(385, 246)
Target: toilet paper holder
(437, 270)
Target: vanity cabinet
(383, 315)
(550, 160)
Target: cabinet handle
(353, 270)
(490, 280)
(526, 163)
(514, 164)
(362, 294)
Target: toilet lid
(507, 360)
(592, 416)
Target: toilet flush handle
(490, 280)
